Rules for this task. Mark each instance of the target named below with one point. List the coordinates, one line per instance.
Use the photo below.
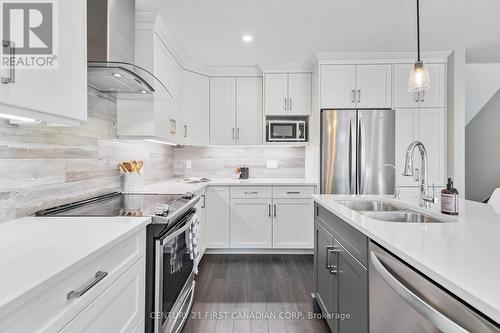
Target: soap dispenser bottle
(449, 199)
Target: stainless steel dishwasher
(403, 300)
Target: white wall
(482, 82)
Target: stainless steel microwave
(286, 130)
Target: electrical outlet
(272, 164)
(188, 164)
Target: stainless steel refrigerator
(357, 151)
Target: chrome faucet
(425, 200)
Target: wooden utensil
(134, 166)
(122, 168)
(128, 166)
(140, 166)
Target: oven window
(177, 266)
(283, 131)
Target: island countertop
(463, 256)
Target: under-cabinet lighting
(247, 38)
(160, 142)
(18, 118)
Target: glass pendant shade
(419, 78)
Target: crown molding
(381, 57)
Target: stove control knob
(188, 195)
(162, 210)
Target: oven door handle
(168, 237)
(185, 309)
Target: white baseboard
(259, 251)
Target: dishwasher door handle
(433, 315)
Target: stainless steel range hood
(111, 53)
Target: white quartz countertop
(462, 256)
(35, 250)
(176, 186)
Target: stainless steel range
(171, 252)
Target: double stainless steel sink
(387, 212)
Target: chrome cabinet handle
(334, 267)
(238, 133)
(233, 134)
(253, 192)
(353, 95)
(422, 96)
(12, 63)
(173, 126)
(415, 97)
(185, 131)
(269, 210)
(443, 323)
(293, 192)
(275, 211)
(327, 257)
(78, 293)
(359, 96)
(289, 104)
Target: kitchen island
(460, 255)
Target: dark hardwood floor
(254, 293)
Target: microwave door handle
(443, 323)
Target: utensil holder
(132, 182)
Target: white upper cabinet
(288, 94)
(222, 110)
(195, 108)
(54, 95)
(338, 86)
(432, 133)
(275, 94)
(373, 86)
(356, 86)
(299, 94)
(235, 110)
(435, 97)
(249, 110)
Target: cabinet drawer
(291, 192)
(351, 239)
(251, 192)
(120, 308)
(52, 309)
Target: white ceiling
(210, 31)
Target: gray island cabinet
(341, 274)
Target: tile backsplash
(219, 162)
(47, 166)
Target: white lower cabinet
(119, 309)
(293, 225)
(217, 217)
(260, 217)
(251, 223)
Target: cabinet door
(352, 292)
(201, 210)
(249, 110)
(299, 94)
(325, 279)
(293, 225)
(251, 223)
(195, 108)
(337, 86)
(432, 133)
(406, 133)
(217, 217)
(120, 308)
(374, 87)
(62, 91)
(222, 111)
(403, 98)
(435, 97)
(275, 94)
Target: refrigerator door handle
(361, 157)
(352, 158)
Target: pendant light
(419, 76)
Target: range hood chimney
(111, 52)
